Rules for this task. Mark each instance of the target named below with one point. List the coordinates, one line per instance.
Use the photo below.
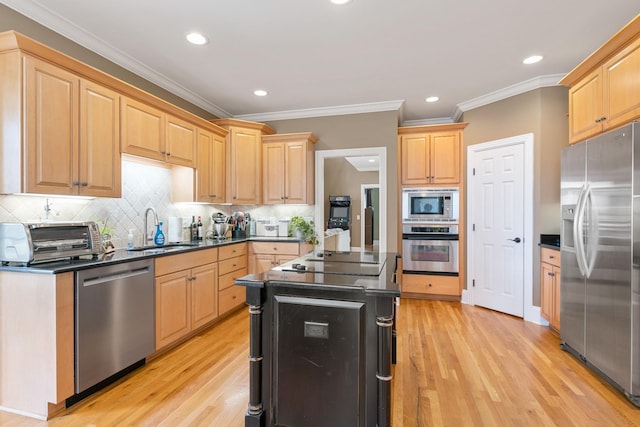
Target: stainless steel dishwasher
(114, 320)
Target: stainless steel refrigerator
(600, 258)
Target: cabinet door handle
(551, 257)
(551, 274)
(76, 183)
(85, 184)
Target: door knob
(517, 240)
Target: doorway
(381, 154)
(370, 212)
(500, 225)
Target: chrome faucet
(145, 236)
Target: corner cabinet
(263, 256)
(69, 128)
(550, 286)
(604, 89)
(288, 168)
(430, 155)
(244, 160)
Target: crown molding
(513, 90)
(340, 110)
(427, 122)
(62, 26)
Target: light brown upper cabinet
(288, 168)
(64, 124)
(151, 133)
(244, 160)
(605, 88)
(70, 131)
(430, 155)
(211, 167)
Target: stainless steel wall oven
(430, 249)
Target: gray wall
(542, 112)
(357, 131)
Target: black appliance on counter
(339, 212)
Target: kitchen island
(321, 340)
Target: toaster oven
(27, 243)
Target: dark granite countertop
(554, 247)
(371, 272)
(123, 255)
(550, 241)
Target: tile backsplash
(143, 186)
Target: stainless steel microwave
(430, 205)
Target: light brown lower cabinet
(186, 294)
(233, 264)
(36, 342)
(266, 255)
(550, 286)
(425, 285)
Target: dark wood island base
(321, 331)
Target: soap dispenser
(130, 239)
(159, 237)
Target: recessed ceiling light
(260, 92)
(197, 38)
(432, 99)
(340, 1)
(372, 160)
(532, 59)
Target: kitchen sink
(150, 250)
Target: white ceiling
(315, 58)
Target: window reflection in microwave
(434, 253)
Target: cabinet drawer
(550, 256)
(424, 284)
(228, 280)
(275, 248)
(230, 298)
(230, 251)
(184, 261)
(232, 264)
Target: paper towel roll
(174, 230)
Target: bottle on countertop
(200, 230)
(194, 229)
(159, 237)
(130, 239)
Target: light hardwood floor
(457, 366)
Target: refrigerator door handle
(590, 250)
(578, 230)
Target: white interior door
(497, 223)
